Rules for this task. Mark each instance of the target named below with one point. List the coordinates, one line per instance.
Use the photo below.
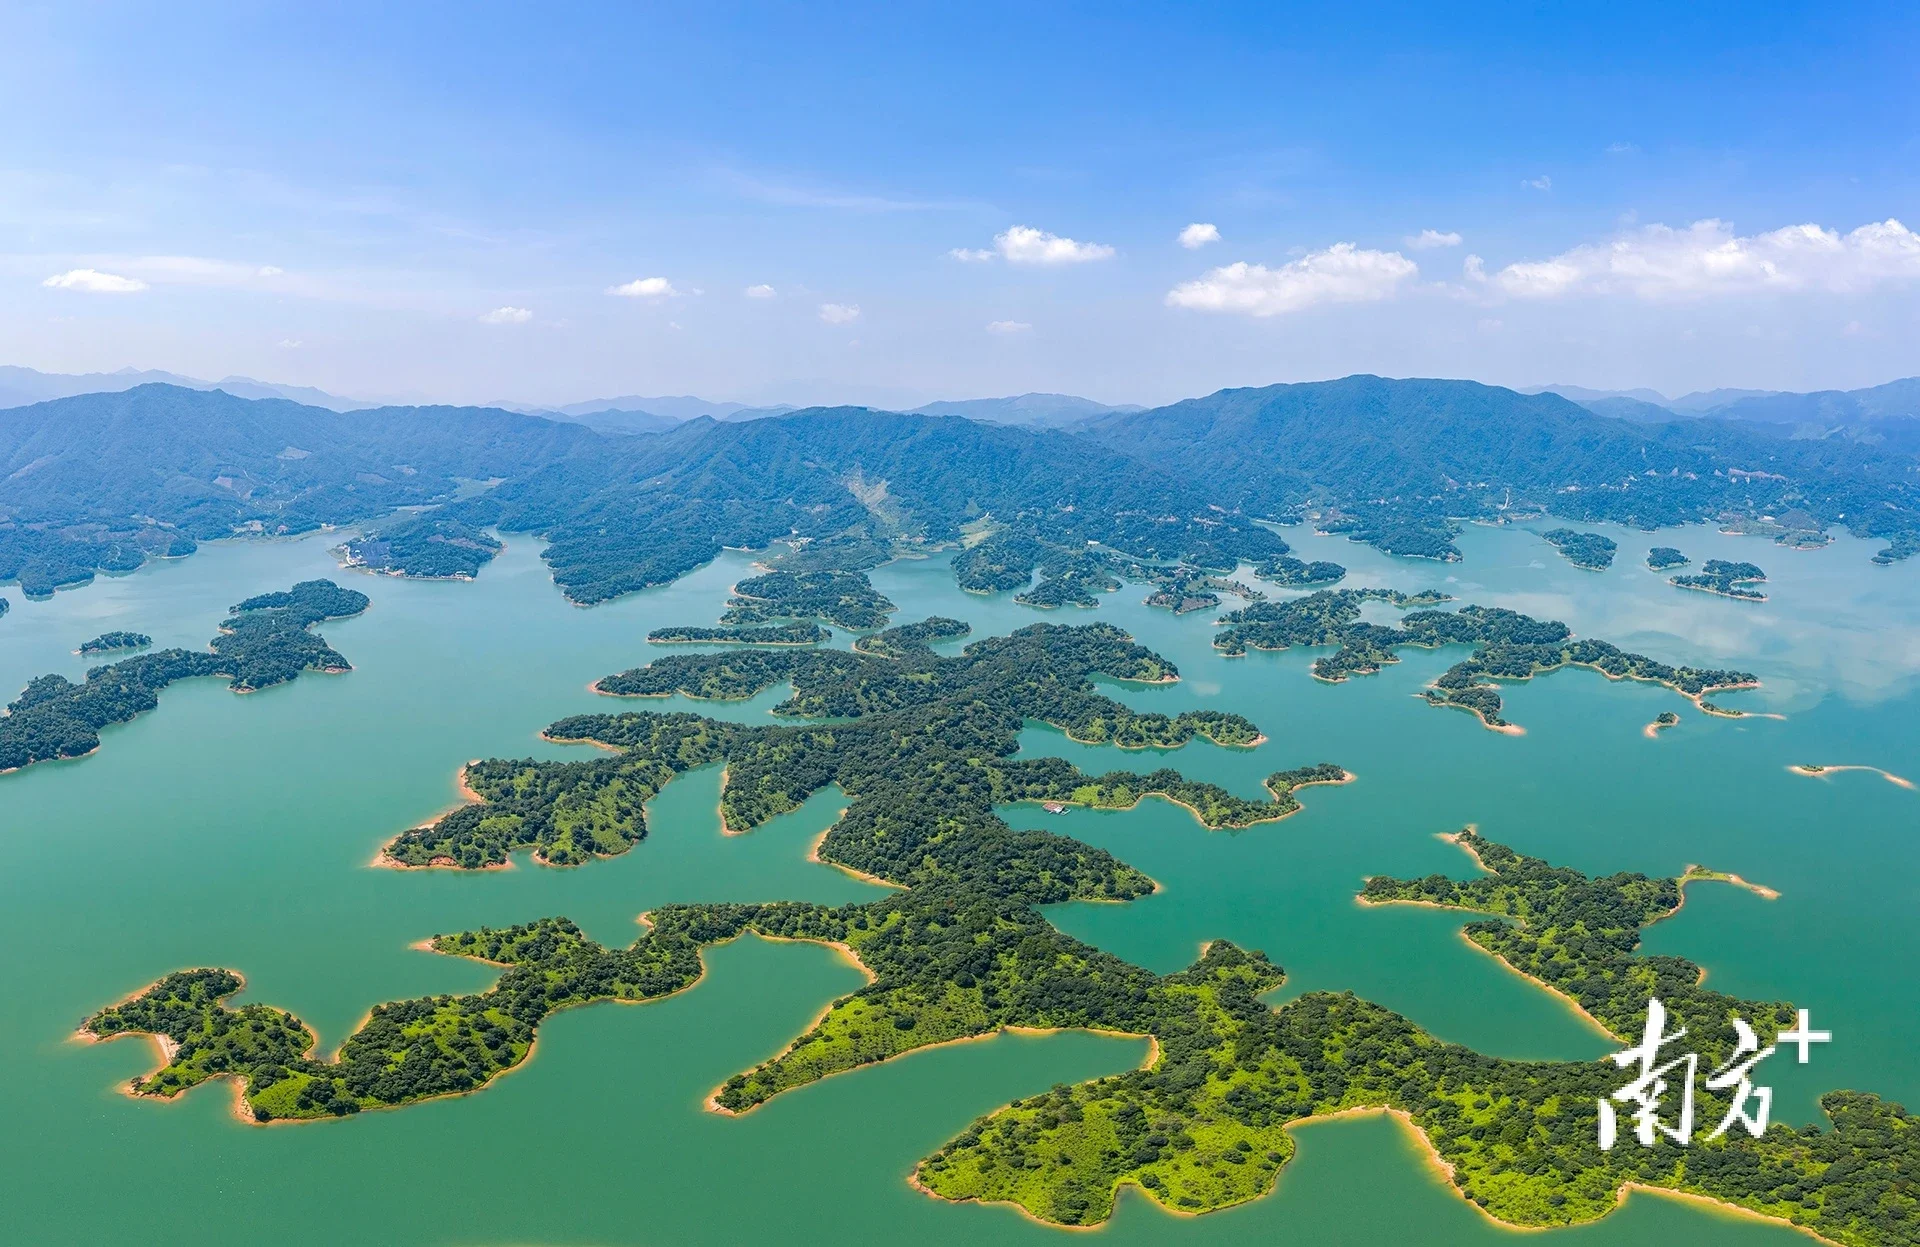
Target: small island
(1732, 580)
(1508, 646)
(1292, 573)
(107, 642)
(1588, 550)
(268, 640)
(424, 546)
(1816, 771)
(1666, 558)
(846, 599)
(1664, 720)
(772, 634)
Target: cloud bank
(93, 281)
(1343, 273)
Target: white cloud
(1342, 273)
(1428, 239)
(1008, 326)
(270, 270)
(291, 344)
(1198, 235)
(645, 288)
(1541, 183)
(1622, 149)
(1024, 244)
(761, 292)
(1474, 268)
(507, 316)
(1707, 258)
(93, 281)
(839, 313)
(969, 255)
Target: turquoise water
(236, 831)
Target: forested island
(1589, 550)
(963, 950)
(1665, 558)
(929, 731)
(267, 640)
(771, 634)
(1508, 646)
(1292, 573)
(429, 546)
(1733, 580)
(845, 598)
(107, 642)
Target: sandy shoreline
(813, 855)
(382, 860)
(1821, 772)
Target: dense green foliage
(844, 598)
(1664, 558)
(1508, 646)
(267, 641)
(431, 546)
(772, 634)
(1588, 550)
(932, 735)
(106, 481)
(108, 641)
(1734, 580)
(1292, 573)
(962, 953)
(1394, 462)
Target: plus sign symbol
(1802, 1035)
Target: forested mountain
(102, 481)
(1391, 458)
(1895, 400)
(1038, 411)
(646, 510)
(22, 386)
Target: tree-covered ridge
(771, 634)
(929, 752)
(1589, 550)
(1081, 555)
(1291, 573)
(107, 642)
(1507, 646)
(268, 640)
(103, 482)
(963, 952)
(1664, 558)
(1734, 580)
(429, 546)
(1579, 936)
(905, 639)
(839, 597)
(1395, 462)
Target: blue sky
(476, 202)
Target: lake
(237, 831)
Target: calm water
(223, 830)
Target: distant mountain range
(103, 481)
(21, 386)
(636, 413)
(1895, 400)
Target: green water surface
(237, 831)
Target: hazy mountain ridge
(21, 387)
(105, 480)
